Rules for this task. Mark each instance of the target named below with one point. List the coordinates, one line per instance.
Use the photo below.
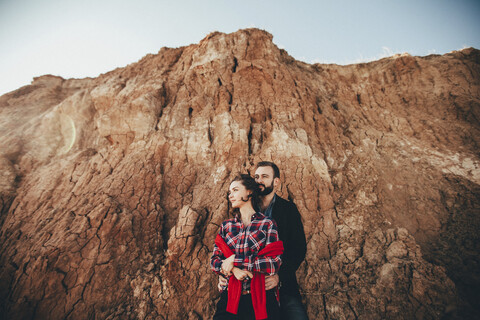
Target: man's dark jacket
(290, 231)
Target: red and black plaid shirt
(246, 243)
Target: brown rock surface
(112, 189)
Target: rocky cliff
(113, 188)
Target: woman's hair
(249, 183)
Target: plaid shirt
(246, 243)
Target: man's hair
(276, 171)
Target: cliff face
(113, 188)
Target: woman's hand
(227, 265)
(241, 274)
(222, 283)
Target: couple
(259, 251)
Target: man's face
(264, 177)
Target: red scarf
(257, 284)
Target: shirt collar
(268, 211)
(257, 215)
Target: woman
(246, 248)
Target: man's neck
(267, 199)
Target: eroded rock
(113, 188)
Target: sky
(84, 38)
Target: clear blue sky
(83, 38)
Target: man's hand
(222, 283)
(241, 274)
(227, 265)
(271, 281)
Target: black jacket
(290, 231)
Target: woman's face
(237, 192)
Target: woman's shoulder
(228, 221)
(229, 225)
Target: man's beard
(266, 190)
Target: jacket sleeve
(293, 239)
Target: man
(290, 231)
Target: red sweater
(257, 285)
